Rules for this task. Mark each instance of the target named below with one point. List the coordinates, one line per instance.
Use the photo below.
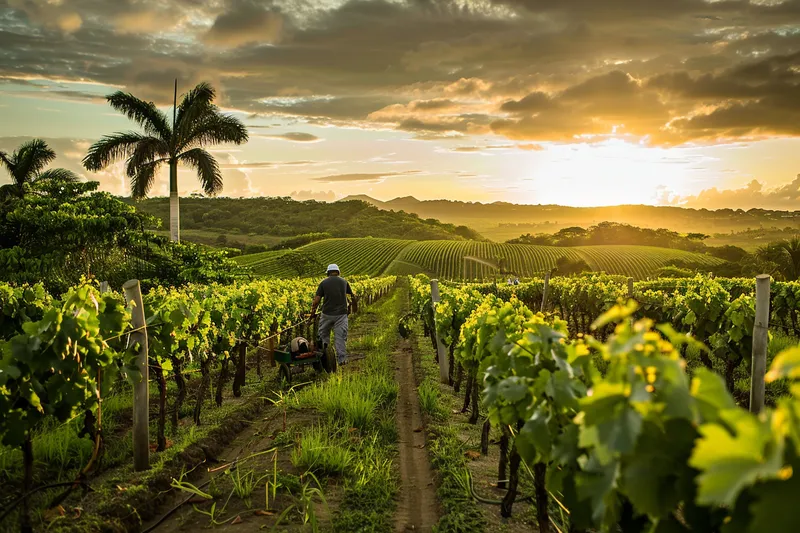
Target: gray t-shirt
(334, 290)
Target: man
(333, 292)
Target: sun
(611, 172)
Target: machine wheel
(284, 373)
(328, 359)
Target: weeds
(305, 504)
(244, 484)
(322, 452)
(429, 399)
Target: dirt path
(417, 507)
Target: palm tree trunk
(174, 207)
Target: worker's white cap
(333, 266)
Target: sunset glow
(574, 102)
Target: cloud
(243, 23)
(532, 70)
(295, 136)
(374, 177)
(483, 149)
(271, 164)
(49, 13)
(320, 196)
(754, 194)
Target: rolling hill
(446, 259)
(501, 221)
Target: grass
(461, 515)
(358, 435)
(323, 451)
(430, 400)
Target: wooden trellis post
(760, 343)
(141, 390)
(441, 349)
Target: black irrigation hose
(13, 505)
(233, 465)
(169, 513)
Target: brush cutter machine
(299, 353)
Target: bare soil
(417, 508)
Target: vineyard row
(612, 427)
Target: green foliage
(289, 218)
(642, 436)
(302, 240)
(302, 263)
(57, 235)
(616, 233)
(61, 364)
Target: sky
(572, 102)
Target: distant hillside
(284, 217)
(501, 221)
(445, 259)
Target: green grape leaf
(513, 389)
(710, 394)
(534, 439)
(618, 313)
(771, 510)
(650, 475)
(785, 365)
(730, 461)
(620, 434)
(565, 448)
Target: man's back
(334, 290)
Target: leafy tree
(728, 252)
(302, 262)
(570, 267)
(196, 123)
(26, 166)
(69, 230)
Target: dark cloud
(673, 71)
(243, 23)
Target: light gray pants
(337, 323)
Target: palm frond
(147, 150)
(111, 148)
(198, 98)
(207, 169)
(7, 162)
(146, 114)
(30, 159)
(8, 191)
(143, 180)
(58, 174)
(214, 129)
(194, 107)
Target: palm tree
(26, 167)
(791, 249)
(785, 254)
(196, 123)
